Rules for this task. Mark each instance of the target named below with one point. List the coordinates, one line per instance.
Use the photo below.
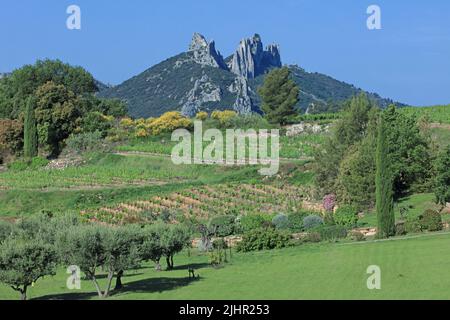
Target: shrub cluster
(263, 239)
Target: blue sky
(408, 60)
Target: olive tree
(23, 262)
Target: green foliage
(57, 116)
(296, 221)
(312, 221)
(331, 232)
(250, 222)
(28, 164)
(96, 121)
(222, 225)
(412, 225)
(24, 82)
(442, 180)
(383, 182)
(22, 263)
(263, 239)
(279, 95)
(353, 126)
(431, 221)
(11, 137)
(408, 151)
(86, 142)
(346, 216)
(30, 143)
(174, 238)
(281, 221)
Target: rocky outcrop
(205, 52)
(251, 60)
(243, 103)
(204, 91)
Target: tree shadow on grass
(153, 285)
(150, 285)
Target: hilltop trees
(30, 131)
(279, 95)
(383, 182)
(62, 96)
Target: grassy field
(414, 268)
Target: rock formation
(251, 60)
(205, 52)
(204, 91)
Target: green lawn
(415, 268)
(417, 204)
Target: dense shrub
(86, 142)
(346, 216)
(296, 221)
(252, 221)
(281, 221)
(431, 220)
(224, 117)
(331, 233)
(222, 225)
(168, 122)
(412, 225)
(263, 239)
(96, 122)
(312, 221)
(11, 136)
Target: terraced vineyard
(204, 202)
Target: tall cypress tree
(384, 185)
(30, 141)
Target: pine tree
(384, 185)
(279, 95)
(30, 143)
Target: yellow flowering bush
(223, 116)
(202, 115)
(169, 121)
(126, 123)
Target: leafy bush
(252, 221)
(296, 221)
(224, 117)
(263, 239)
(168, 122)
(85, 142)
(412, 225)
(346, 216)
(249, 121)
(95, 121)
(331, 233)
(223, 225)
(431, 220)
(280, 221)
(312, 221)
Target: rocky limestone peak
(251, 60)
(205, 52)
